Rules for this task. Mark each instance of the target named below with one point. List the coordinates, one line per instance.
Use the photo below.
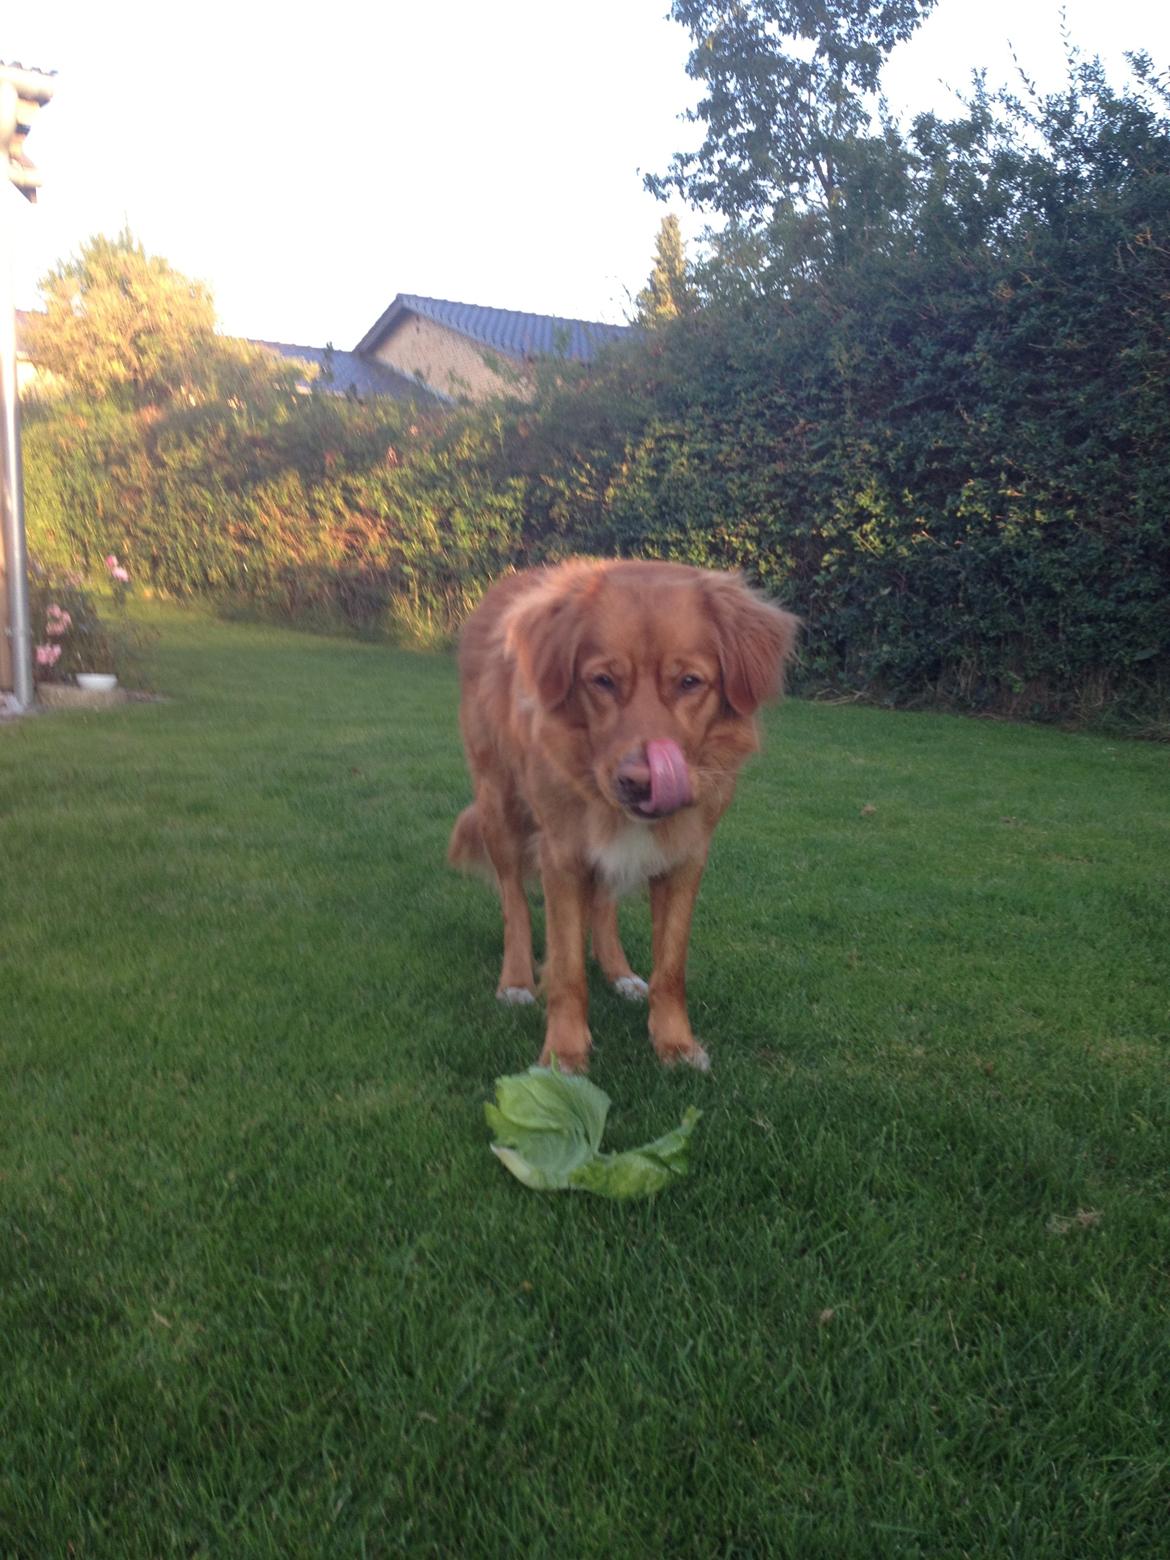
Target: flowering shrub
(69, 634)
(119, 580)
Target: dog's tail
(467, 851)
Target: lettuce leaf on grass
(639, 1172)
(548, 1127)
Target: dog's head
(656, 670)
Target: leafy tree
(790, 91)
(668, 291)
(124, 325)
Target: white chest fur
(630, 859)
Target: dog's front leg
(567, 896)
(608, 950)
(672, 904)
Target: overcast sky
(309, 163)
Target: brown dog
(606, 709)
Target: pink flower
(57, 621)
(122, 575)
(112, 561)
(48, 655)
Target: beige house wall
(26, 373)
(34, 383)
(445, 361)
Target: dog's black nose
(632, 783)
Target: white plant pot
(97, 682)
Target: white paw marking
(632, 987)
(698, 1059)
(515, 996)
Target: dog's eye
(690, 682)
(604, 681)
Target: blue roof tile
(352, 374)
(509, 331)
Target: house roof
(355, 374)
(503, 330)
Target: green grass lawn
(266, 1292)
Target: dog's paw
(568, 1040)
(566, 1061)
(515, 996)
(632, 987)
(684, 1056)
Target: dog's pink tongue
(670, 782)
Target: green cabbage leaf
(547, 1127)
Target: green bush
(949, 450)
(343, 512)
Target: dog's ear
(544, 632)
(756, 641)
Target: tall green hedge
(325, 508)
(949, 451)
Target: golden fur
(567, 674)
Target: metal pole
(11, 473)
